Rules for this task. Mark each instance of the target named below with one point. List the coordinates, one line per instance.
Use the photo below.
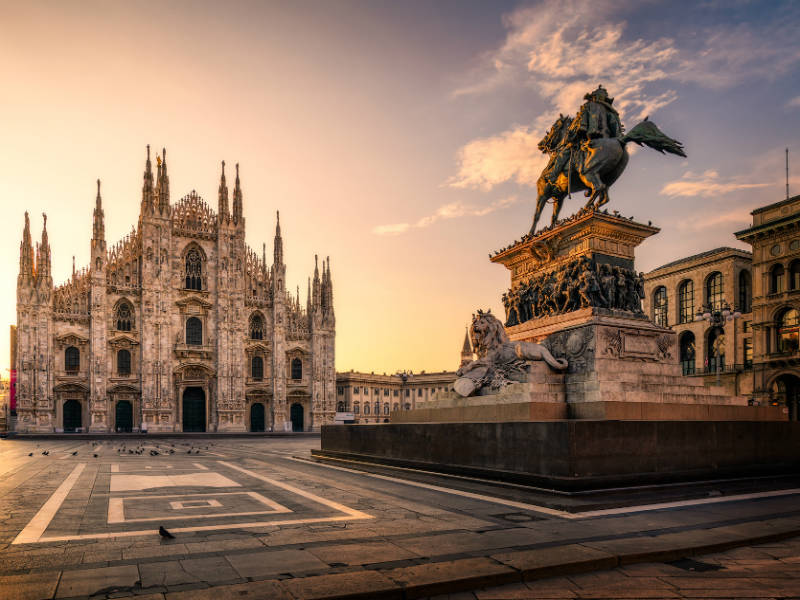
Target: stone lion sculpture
(500, 361)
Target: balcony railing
(711, 370)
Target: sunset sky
(399, 138)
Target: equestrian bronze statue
(588, 153)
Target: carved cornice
(71, 339)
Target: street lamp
(717, 317)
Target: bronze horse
(599, 165)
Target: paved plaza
(254, 517)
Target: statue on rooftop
(588, 153)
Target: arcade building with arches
(178, 327)
(757, 354)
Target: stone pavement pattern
(252, 521)
(769, 570)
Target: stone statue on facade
(500, 361)
(588, 153)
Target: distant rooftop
(705, 254)
(775, 205)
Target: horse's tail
(648, 134)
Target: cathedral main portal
(194, 410)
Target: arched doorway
(124, 417)
(296, 415)
(786, 390)
(194, 409)
(257, 421)
(72, 416)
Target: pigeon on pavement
(164, 533)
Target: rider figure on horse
(597, 118)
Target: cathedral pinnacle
(223, 196)
(237, 198)
(147, 185)
(43, 255)
(163, 184)
(25, 254)
(99, 227)
(277, 255)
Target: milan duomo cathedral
(178, 327)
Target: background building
(675, 292)
(775, 238)
(762, 348)
(371, 397)
(178, 327)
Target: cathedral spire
(43, 255)
(316, 289)
(163, 185)
(223, 196)
(237, 198)
(147, 185)
(26, 254)
(308, 298)
(277, 255)
(99, 228)
(466, 350)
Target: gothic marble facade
(178, 327)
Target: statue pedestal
(602, 238)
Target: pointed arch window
(194, 332)
(123, 362)
(194, 270)
(256, 327)
(124, 317)
(257, 368)
(72, 359)
(686, 301)
(297, 368)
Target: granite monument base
(576, 455)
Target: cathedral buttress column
(99, 417)
(279, 373)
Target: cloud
(794, 102)
(736, 217)
(447, 211)
(706, 184)
(562, 49)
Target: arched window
(794, 275)
(745, 292)
(377, 408)
(194, 332)
(686, 302)
(124, 317)
(396, 406)
(660, 306)
(714, 290)
(408, 406)
(123, 362)
(256, 327)
(72, 359)
(687, 348)
(386, 408)
(788, 330)
(340, 407)
(366, 408)
(194, 270)
(356, 408)
(777, 274)
(714, 354)
(257, 368)
(297, 368)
